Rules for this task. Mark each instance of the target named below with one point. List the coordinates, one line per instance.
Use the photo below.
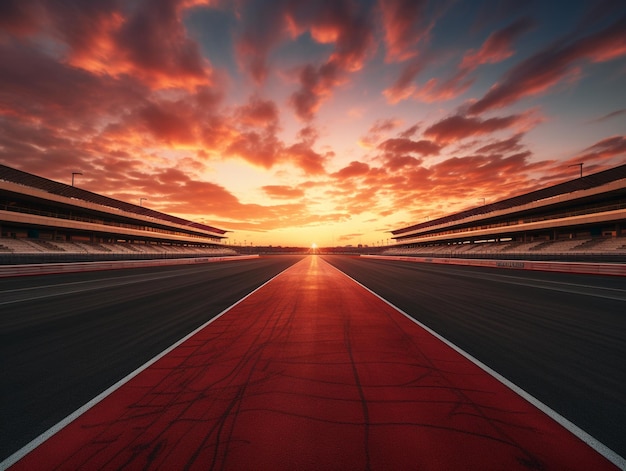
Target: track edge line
(30, 446)
(591, 441)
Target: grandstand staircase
(48, 246)
(589, 244)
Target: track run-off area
(287, 362)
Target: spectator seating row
(595, 246)
(38, 246)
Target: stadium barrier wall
(616, 269)
(55, 268)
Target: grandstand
(44, 220)
(576, 220)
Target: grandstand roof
(33, 181)
(583, 183)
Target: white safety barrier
(53, 268)
(617, 269)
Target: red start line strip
(312, 371)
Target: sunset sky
(293, 122)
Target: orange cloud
(37, 87)
(405, 26)
(503, 146)
(147, 41)
(403, 87)
(349, 237)
(72, 109)
(260, 149)
(409, 132)
(605, 149)
(316, 85)
(304, 157)
(434, 90)
(344, 25)
(258, 112)
(497, 46)
(308, 135)
(355, 169)
(384, 125)
(282, 191)
(341, 23)
(396, 162)
(169, 124)
(172, 176)
(377, 130)
(263, 28)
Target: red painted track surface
(313, 372)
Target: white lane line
(578, 285)
(594, 443)
(19, 454)
(572, 288)
(569, 288)
(97, 284)
(620, 294)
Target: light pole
(73, 175)
(141, 200)
(578, 165)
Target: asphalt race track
(66, 338)
(560, 337)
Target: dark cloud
(604, 149)
(490, 13)
(154, 41)
(259, 113)
(315, 85)
(262, 28)
(344, 24)
(503, 146)
(550, 66)
(169, 124)
(19, 17)
(407, 146)
(405, 24)
(35, 85)
(608, 116)
(348, 26)
(458, 127)
(497, 46)
(146, 39)
(403, 87)
(409, 132)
